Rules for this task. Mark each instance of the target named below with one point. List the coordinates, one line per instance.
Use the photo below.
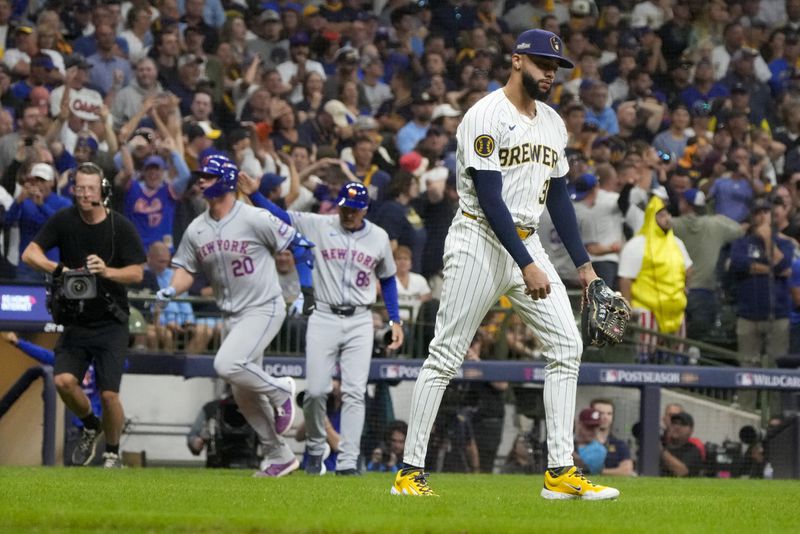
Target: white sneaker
(111, 461)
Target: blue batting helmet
(353, 195)
(224, 170)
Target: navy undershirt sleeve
(489, 188)
(562, 212)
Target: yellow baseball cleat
(573, 485)
(412, 483)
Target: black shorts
(104, 345)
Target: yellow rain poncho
(659, 287)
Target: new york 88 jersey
(346, 264)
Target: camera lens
(79, 286)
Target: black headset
(105, 184)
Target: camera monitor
(24, 307)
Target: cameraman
(105, 244)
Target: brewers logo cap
(542, 43)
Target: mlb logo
(390, 371)
(609, 375)
(744, 379)
(528, 373)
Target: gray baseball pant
(240, 361)
(349, 338)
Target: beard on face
(532, 87)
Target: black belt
(341, 311)
(523, 232)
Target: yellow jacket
(659, 286)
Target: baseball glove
(604, 315)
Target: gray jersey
(236, 255)
(346, 263)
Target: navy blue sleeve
(489, 187)
(260, 201)
(562, 212)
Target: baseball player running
(511, 164)
(349, 254)
(233, 245)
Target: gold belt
(522, 231)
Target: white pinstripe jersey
(236, 255)
(495, 136)
(346, 264)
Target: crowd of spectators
(683, 121)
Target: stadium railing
(649, 379)
(609, 366)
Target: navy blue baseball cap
(582, 186)
(542, 43)
(269, 182)
(353, 195)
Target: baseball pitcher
(510, 167)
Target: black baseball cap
(542, 43)
(740, 87)
(682, 418)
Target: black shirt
(689, 455)
(114, 240)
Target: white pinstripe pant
(477, 271)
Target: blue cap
(87, 141)
(292, 6)
(299, 39)
(158, 161)
(542, 43)
(353, 195)
(582, 186)
(695, 197)
(43, 60)
(269, 182)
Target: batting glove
(309, 303)
(164, 296)
(304, 303)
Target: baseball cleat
(347, 473)
(315, 465)
(412, 482)
(278, 470)
(284, 414)
(86, 449)
(573, 485)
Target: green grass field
(197, 500)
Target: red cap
(589, 417)
(330, 35)
(413, 162)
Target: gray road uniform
(236, 256)
(347, 267)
